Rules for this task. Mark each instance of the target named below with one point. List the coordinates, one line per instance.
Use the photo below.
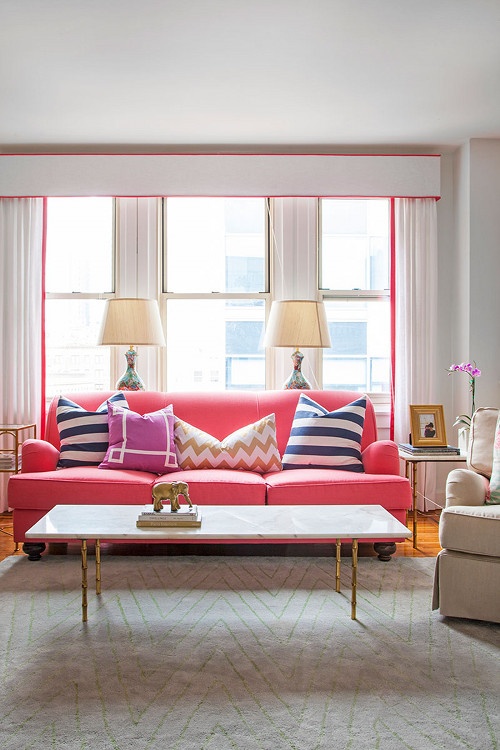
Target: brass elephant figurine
(170, 491)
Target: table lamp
(131, 320)
(297, 323)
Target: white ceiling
(248, 74)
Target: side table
(12, 437)
(9, 454)
(413, 460)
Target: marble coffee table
(234, 523)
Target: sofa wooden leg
(33, 550)
(384, 550)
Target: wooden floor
(428, 544)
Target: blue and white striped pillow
(84, 434)
(320, 439)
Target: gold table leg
(354, 583)
(414, 493)
(412, 476)
(84, 580)
(98, 566)
(337, 566)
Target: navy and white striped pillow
(84, 434)
(320, 439)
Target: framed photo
(427, 425)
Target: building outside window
(79, 276)
(354, 279)
(215, 283)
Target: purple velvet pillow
(139, 442)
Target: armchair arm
(465, 487)
(38, 455)
(381, 457)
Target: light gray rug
(234, 653)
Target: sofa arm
(465, 487)
(38, 455)
(381, 457)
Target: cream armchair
(467, 575)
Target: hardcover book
(430, 450)
(185, 516)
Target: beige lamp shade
(297, 323)
(132, 321)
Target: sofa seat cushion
(471, 529)
(221, 486)
(80, 485)
(335, 486)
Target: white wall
(469, 268)
(447, 283)
(451, 322)
(484, 311)
(471, 272)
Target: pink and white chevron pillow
(251, 448)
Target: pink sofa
(40, 485)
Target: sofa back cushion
(493, 497)
(221, 413)
(482, 437)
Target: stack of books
(185, 516)
(430, 449)
(7, 461)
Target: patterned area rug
(240, 653)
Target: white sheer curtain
(21, 242)
(416, 310)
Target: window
(215, 280)
(79, 274)
(354, 280)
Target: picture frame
(427, 425)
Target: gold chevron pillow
(252, 448)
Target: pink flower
(473, 372)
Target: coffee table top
(223, 522)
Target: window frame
(326, 293)
(114, 234)
(74, 296)
(166, 295)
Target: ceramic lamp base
(296, 379)
(130, 380)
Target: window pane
(79, 245)
(215, 345)
(359, 358)
(74, 361)
(215, 245)
(354, 244)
